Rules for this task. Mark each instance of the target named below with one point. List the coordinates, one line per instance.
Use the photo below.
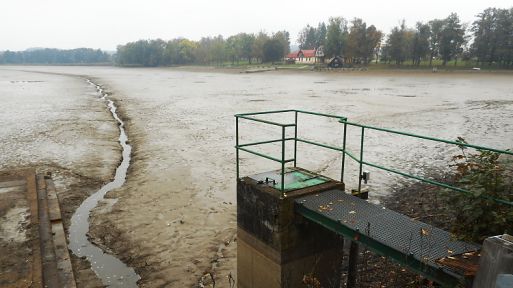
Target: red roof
(302, 53)
(308, 53)
(293, 55)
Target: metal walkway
(388, 233)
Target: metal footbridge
(412, 243)
(417, 246)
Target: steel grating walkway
(388, 233)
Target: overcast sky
(107, 23)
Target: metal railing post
(343, 155)
(295, 140)
(361, 161)
(354, 249)
(352, 269)
(237, 144)
(282, 159)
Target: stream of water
(109, 269)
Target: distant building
(319, 54)
(303, 56)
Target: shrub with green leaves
(487, 175)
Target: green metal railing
(360, 160)
(283, 139)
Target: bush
(488, 175)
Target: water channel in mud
(109, 269)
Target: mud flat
(174, 219)
(20, 262)
(56, 124)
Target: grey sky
(105, 24)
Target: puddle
(26, 81)
(109, 269)
(343, 91)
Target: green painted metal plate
(294, 179)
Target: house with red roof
(303, 56)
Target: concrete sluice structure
(276, 246)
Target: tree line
(357, 42)
(261, 47)
(55, 56)
(493, 37)
(488, 40)
(439, 38)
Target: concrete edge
(62, 257)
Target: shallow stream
(109, 269)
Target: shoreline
(371, 72)
(283, 69)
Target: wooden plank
(49, 263)
(466, 263)
(54, 210)
(37, 268)
(65, 270)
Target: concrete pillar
(496, 263)
(276, 247)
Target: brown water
(178, 204)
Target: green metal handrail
(427, 137)
(343, 150)
(283, 139)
